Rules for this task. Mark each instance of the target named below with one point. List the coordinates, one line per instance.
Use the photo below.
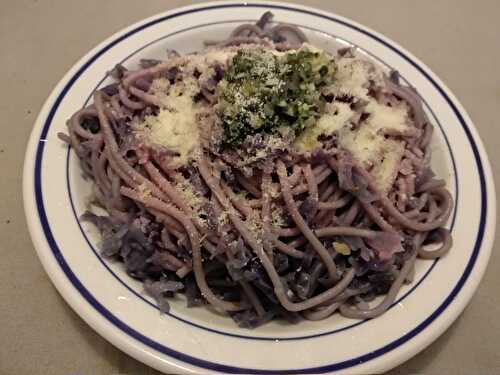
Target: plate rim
(140, 353)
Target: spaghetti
(316, 202)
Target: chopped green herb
(263, 92)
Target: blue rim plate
(197, 340)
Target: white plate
(197, 340)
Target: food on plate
(263, 176)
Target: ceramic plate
(197, 340)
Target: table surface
(41, 39)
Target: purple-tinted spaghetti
(264, 177)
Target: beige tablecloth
(41, 39)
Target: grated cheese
(385, 172)
(255, 225)
(190, 196)
(277, 217)
(174, 127)
(159, 86)
(219, 55)
(385, 117)
(223, 218)
(353, 77)
(144, 190)
(327, 124)
(364, 143)
(203, 62)
(373, 149)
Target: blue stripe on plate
(231, 369)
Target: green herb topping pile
(265, 92)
